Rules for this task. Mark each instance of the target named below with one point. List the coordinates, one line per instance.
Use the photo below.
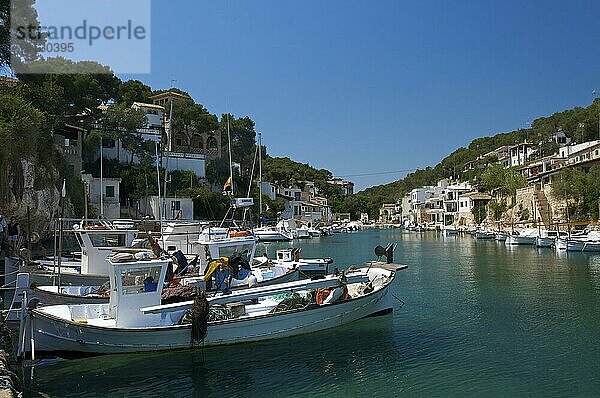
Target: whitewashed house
(103, 195)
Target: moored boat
(524, 237)
(485, 235)
(134, 320)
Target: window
(142, 280)
(176, 205)
(107, 240)
(108, 143)
(110, 191)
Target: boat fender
(321, 295)
(252, 281)
(336, 294)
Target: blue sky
(373, 86)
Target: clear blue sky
(373, 86)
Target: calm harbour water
(479, 319)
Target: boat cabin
(136, 282)
(98, 244)
(288, 255)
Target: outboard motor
(389, 252)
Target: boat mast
(101, 183)
(164, 200)
(259, 179)
(158, 185)
(230, 160)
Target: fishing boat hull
(520, 240)
(500, 237)
(53, 333)
(560, 244)
(544, 242)
(450, 231)
(583, 246)
(272, 236)
(485, 235)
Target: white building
(467, 202)
(452, 201)
(569, 150)
(268, 189)
(291, 193)
(103, 195)
(345, 187)
(173, 208)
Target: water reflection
(480, 318)
(325, 358)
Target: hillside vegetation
(579, 124)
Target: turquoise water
(479, 319)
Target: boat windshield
(140, 280)
(107, 240)
(237, 250)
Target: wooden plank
(386, 266)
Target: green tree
(133, 91)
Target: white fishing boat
(303, 232)
(523, 237)
(96, 243)
(290, 258)
(272, 234)
(547, 238)
(134, 320)
(314, 233)
(501, 236)
(450, 230)
(484, 234)
(240, 247)
(587, 243)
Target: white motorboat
(134, 320)
(587, 243)
(524, 237)
(547, 238)
(270, 234)
(303, 232)
(291, 258)
(314, 233)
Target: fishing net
(294, 302)
(198, 318)
(178, 293)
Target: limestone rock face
(20, 193)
